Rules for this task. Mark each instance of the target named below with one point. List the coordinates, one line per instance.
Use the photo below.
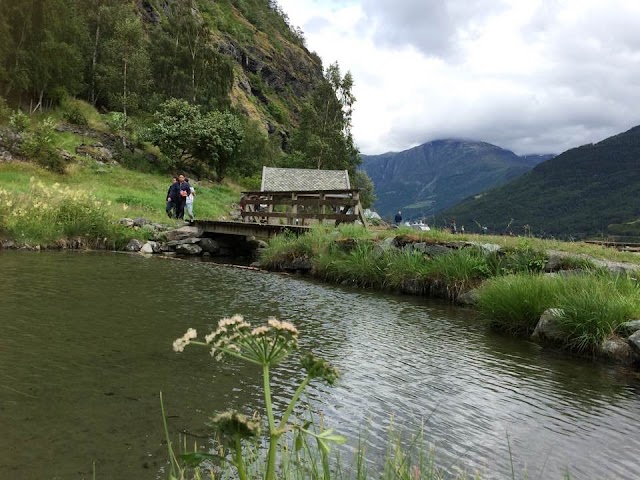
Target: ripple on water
(86, 349)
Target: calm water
(85, 348)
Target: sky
(532, 76)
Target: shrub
(72, 113)
(19, 121)
(39, 146)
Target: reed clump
(47, 215)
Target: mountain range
(429, 178)
(590, 190)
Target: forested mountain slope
(436, 175)
(220, 86)
(589, 190)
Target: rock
(209, 245)
(256, 244)
(547, 328)
(255, 265)
(412, 287)
(634, 342)
(184, 232)
(97, 151)
(127, 222)
(8, 244)
(139, 222)
(150, 247)
(185, 241)
(300, 263)
(384, 246)
(206, 254)
(488, 248)
(169, 254)
(188, 249)
(629, 328)
(470, 297)
(617, 348)
(430, 249)
(134, 245)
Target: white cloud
(536, 76)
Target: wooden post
(294, 209)
(322, 208)
(270, 209)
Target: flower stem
(242, 474)
(273, 435)
(293, 402)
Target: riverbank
(581, 297)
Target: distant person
(172, 197)
(453, 227)
(183, 192)
(189, 202)
(398, 218)
(484, 230)
(461, 229)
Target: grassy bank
(38, 206)
(510, 285)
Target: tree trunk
(124, 92)
(94, 62)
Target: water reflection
(86, 349)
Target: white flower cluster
(180, 343)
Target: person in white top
(189, 204)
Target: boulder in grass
(634, 342)
(629, 328)
(548, 327)
(617, 349)
(140, 221)
(127, 222)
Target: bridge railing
(301, 207)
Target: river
(85, 350)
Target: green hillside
(428, 178)
(222, 87)
(585, 191)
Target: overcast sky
(533, 76)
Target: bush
(72, 113)
(39, 146)
(19, 121)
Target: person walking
(398, 218)
(172, 197)
(189, 202)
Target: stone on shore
(618, 349)
(183, 232)
(548, 328)
(208, 245)
(629, 328)
(134, 245)
(634, 342)
(188, 249)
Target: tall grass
(514, 303)
(592, 306)
(458, 271)
(46, 215)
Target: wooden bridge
(265, 214)
(301, 207)
(247, 230)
